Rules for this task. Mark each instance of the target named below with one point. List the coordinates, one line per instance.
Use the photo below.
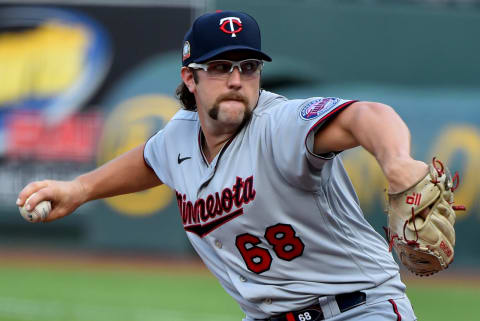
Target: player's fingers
(29, 190)
(56, 213)
(43, 194)
(64, 197)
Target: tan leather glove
(421, 219)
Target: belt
(345, 302)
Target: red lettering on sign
(29, 136)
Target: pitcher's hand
(66, 196)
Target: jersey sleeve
(293, 134)
(155, 156)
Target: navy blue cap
(214, 33)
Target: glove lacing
(438, 165)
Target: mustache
(231, 96)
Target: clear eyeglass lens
(219, 67)
(223, 67)
(250, 66)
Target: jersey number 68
(286, 245)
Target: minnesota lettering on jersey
(205, 215)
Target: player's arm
(381, 131)
(127, 173)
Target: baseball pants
(386, 310)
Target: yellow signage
(456, 140)
(131, 124)
(41, 62)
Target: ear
(187, 77)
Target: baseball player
(262, 192)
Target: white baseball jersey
(278, 225)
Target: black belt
(345, 302)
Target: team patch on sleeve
(318, 107)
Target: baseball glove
(421, 219)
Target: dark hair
(186, 98)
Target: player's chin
(232, 112)
(231, 121)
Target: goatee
(247, 115)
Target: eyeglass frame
(237, 64)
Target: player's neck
(212, 144)
(215, 134)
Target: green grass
(445, 302)
(43, 294)
(88, 294)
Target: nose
(234, 79)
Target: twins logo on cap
(231, 25)
(213, 34)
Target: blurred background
(84, 81)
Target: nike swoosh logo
(180, 160)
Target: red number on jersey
(285, 244)
(257, 258)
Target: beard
(247, 113)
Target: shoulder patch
(318, 107)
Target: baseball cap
(214, 33)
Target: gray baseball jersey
(278, 225)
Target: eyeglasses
(222, 68)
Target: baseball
(39, 213)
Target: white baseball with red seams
(38, 214)
(278, 225)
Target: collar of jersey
(214, 162)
